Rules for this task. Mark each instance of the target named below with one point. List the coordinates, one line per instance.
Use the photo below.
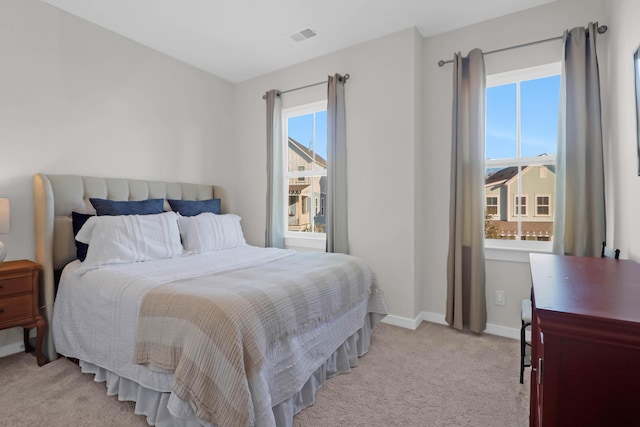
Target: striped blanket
(214, 332)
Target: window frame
(300, 178)
(497, 205)
(517, 250)
(547, 205)
(518, 207)
(305, 240)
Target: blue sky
(301, 129)
(539, 118)
(539, 122)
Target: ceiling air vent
(301, 35)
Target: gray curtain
(336, 197)
(274, 236)
(579, 219)
(466, 301)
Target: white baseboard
(433, 317)
(13, 348)
(503, 331)
(404, 322)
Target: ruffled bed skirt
(164, 409)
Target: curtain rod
(601, 30)
(346, 77)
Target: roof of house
(502, 175)
(308, 153)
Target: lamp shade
(5, 216)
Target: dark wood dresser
(585, 341)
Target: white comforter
(96, 314)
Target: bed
(230, 335)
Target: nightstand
(19, 302)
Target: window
(305, 131)
(521, 139)
(520, 208)
(492, 206)
(542, 206)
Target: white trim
(306, 242)
(291, 239)
(542, 160)
(536, 205)
(524, 74)
(499, 330)
(13, 348)
(514, 250)
(433, 317)
(503, 331)
(302, 110)
(523, 164)
(518, 212)
(305, 236)
(437, 318)
(403, 322)
(307, 173)
(495, 216)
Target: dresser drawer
(15, 285)
(15, 308)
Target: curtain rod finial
(602, 29)
(441, 63)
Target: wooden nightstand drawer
(15, 285)
(15, 308)
(19, 302)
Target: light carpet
(433, 376)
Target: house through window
(542, 205)
(520, 206)
(305, 131)
(521, 139)
(492, 206)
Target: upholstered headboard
(56, 196)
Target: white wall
(619, 115)
(78, 99)
(382, 131)
(534, 24)
(75, 98)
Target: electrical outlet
(501, 297)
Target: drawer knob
(1, 310)
(1, 286)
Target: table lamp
(5, 224)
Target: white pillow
(209, 232)
(130, 238)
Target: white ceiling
(241, 39)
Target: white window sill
(514, 250)
(307, 242)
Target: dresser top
(21, 265)
(595, 287)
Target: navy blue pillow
(77, 221)
(136, 207)
(195, 207)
